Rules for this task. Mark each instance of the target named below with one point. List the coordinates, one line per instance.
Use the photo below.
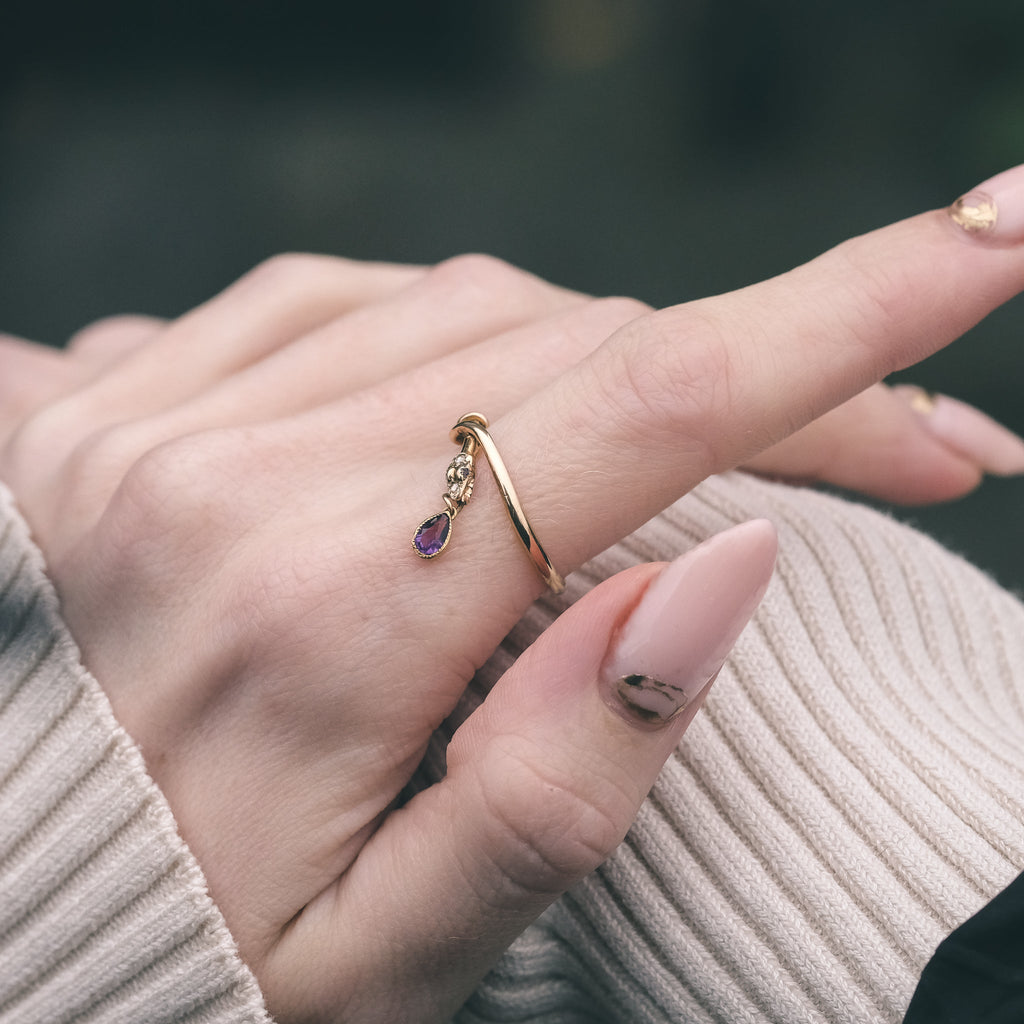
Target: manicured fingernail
(968, 431)
(676, 639)
(995, 209)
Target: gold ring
(433, 534)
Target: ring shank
(475, 425)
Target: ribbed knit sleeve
(852, 791)
(104, 914)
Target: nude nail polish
(994, 210)
(967, 431)
(680, 633)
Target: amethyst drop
(432, 535)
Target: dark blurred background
(153, 150)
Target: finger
(543, 782)
(899, 444)
(529, 356)
(320, 329)
(453, 306)
(106, 340)
(277, 302)
(34, 375)
(272, 305)
(30, 376)
(23, 360)
(968, 431)
(700, 388)
(452, 326)
(449, 308)
(459, 322)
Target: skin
(226, 503)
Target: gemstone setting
(433, 535)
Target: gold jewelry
(433, 534)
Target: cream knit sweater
(853, 790)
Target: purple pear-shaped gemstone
(432, 536)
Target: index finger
(691, 390)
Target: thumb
(543, 780)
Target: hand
(227, 507)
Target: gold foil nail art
(922, 401)
(975, 212)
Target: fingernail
(995, 209)
(676, 639)
(968, 431)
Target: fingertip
(967, 431)
(676, 639)
(993, 212)
(880, 443)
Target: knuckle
(28, 444)
(584, 328)
(179, 496)
(180, 533)
(288, 272)
(95, 461)
(38, 446)
(108, 330)
(671, 381)
(599, 319)
(474, 282)
(475, 273)
(618, 310)
(548, 833)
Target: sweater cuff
(104, 912)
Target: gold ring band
(434, 533)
